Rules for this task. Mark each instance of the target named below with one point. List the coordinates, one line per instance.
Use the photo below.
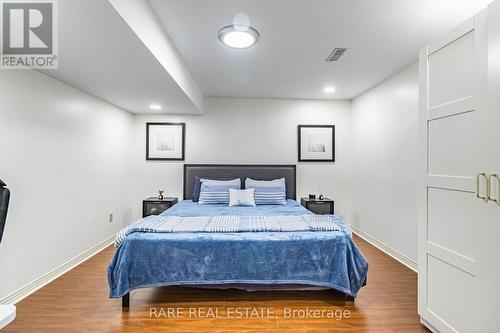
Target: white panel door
(489, 257)
(452, 217)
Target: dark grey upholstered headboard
(254, 171)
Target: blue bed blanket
(219, 223)
(320, 258)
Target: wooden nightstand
(317, 206)
(155, 206)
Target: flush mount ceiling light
(329, 90)
(155, 106)
(238, 36)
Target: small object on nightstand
(160, 194)
(312, 196)
(317, 206)
(155, 206)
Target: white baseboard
(410, 263)
(428, 325)
(45, 279)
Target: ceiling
(133, 53)
(383, 37)
(100, 54)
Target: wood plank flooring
(78, 302)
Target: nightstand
(317, 206)
(155, 206)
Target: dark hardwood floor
(78, 302)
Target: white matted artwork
(316, 143)
(165, 141)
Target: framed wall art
(165, 141)
(316, 143)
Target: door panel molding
(450, 257)
(453, 108)
(452, 183)
(452, 36)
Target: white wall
(65, 156)
(71, 159)
(251, 131)
(385, 162)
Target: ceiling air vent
(336, 54)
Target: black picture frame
(300, 127)
(148, 155)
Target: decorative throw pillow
(217, 191)
(197, 185)
(268, 192)
(241, 197)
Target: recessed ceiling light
(329, 90)
(155, 106)
(238, 36)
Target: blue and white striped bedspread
(229, 224)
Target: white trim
(428, 325)
(408, 262)
(45, 279)
(460, 31)
(7, 315)
(454, 108)
(423, 105)
(452, 258)
(452, 183)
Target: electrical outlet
(111, 218)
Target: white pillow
(241, 197)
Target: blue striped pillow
(271, 192)
(217, 191)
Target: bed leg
(126, 300)
(349, 298)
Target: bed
(267, 260)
